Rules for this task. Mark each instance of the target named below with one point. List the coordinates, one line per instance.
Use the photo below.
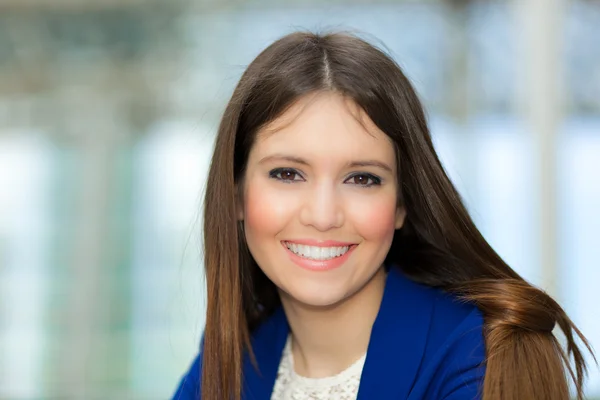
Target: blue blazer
(424, 345)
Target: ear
(400, 217)
(239, 204)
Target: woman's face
(320, 200)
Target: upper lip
(320, 243)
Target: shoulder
(438, 339)
(267, 341)
(453, 318)
(453, 363)
(442, 314)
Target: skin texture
(330, 312)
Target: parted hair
(438, 245)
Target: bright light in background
(579, 231)
(25, 223)
(499, 192)
(506, 192)
(168, 302)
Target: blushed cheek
(376, 220)
(265, 211)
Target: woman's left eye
(364, 180)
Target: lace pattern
(291, 386)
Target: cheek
(374, 219)
(265, 211)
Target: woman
(340, 260)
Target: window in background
(168, 296)
(579, 227)
(26, 220)
(579, 176)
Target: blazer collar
(398, 339)
(394, 354)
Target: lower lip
(319, 265)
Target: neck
(327, 340)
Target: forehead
(325, 125)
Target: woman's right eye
(285, 175)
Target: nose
(322, 208)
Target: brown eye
(364, 180)
(288, 175)
(360, 179)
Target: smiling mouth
(317, 253)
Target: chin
(315, 298)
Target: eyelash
(273, 174)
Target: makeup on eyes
(273, 174)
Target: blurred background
(108, 111)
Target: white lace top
(290, 386)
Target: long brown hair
(438, 245)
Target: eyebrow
(351, 164)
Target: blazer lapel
(398, 339)
(268, 342)
(394, 353)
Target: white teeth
(316, 253)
